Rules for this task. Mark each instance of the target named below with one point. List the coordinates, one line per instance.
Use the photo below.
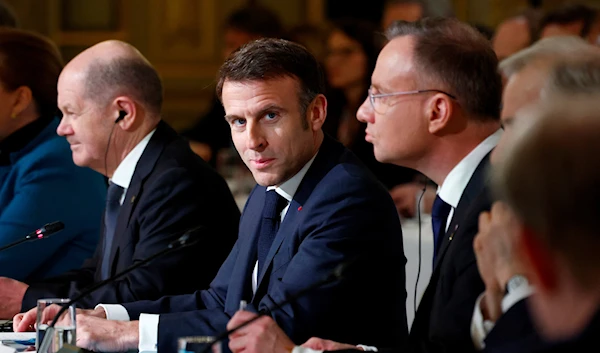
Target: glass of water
(198, 344)
(64, 329)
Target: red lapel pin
(299, 208)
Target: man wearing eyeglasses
(433, 106)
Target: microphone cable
(419, 261)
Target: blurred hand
(101, 335)
(11, 296)
(498, 255)
(405, 198)
(26, 321)
(263, 335)
(320, 344)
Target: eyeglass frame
(372, 96)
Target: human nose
(365, 112)
(64, 128)
(256, 139)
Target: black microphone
(42, 233)
(182, 242)
(337, 274)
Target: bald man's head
(114, 68)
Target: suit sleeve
(348, 222)
(171, 204)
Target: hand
(320, 344)
(405, 199)
(26, 321)
(263, 335)
(498, 255)
(101, 335)
(11, 297)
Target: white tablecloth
(410, 232)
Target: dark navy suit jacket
(339, 213)
(171, 191)
(443, 319)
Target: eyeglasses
(373, 96)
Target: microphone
(182, 242)
(338, 273)
(42, 233)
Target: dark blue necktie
(271, 218)
(439, 217)
(113, 202)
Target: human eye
(238, 122)
(270, 116)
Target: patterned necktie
(113, 203)
(271, 217)
(439, 217)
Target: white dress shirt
(148, 325)
(450, 192)
(124, 172)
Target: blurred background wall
(182, 38)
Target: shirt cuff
(367, 348)
(480, 327)
(148, 333)
(114, 312)
(300, 349)
(515, 296)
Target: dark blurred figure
(7, 16)
(211, 133)
(352, 49)
(412, 10)
(574, 20)
(313, 38)
(487, 31)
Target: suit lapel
(144, 167)
(327, 157)
(246, 258)
(472, 191)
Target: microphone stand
(38, 234)
(180, 243)
(336, 274)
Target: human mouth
(262, 162)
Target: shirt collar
(455, 183)
(288, 189)
(124, 172)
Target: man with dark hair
(7, 16)
(575, 20)
(158, 189)
(211, 133)
(434, 106)
(315, 207)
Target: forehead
(254, 94)
(340, 39)
(395, 63)
(523, 88)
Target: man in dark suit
(316, 207)
(439, 117)
(557, 233)
(111, 99)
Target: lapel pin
(133, 199)
(299, 208)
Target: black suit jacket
(171, 190)
(339, 213)
(443, 320)
(515, 332)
